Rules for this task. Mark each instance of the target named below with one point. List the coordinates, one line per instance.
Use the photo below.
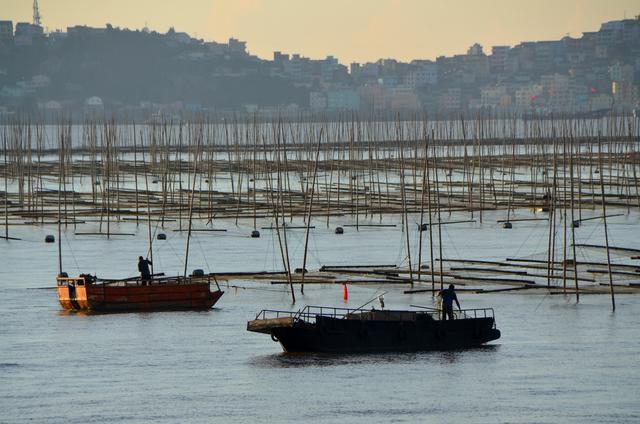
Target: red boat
(86, 293)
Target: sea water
(557, 361)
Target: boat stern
(72, 293)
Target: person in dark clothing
(143, 267)
(448, 297)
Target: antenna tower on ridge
(36, 13)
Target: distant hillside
(125, 67)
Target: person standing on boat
(448, 297)
(143, 267)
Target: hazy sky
(352, 30)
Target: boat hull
(154, 297)
(335, 335)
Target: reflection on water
(141, 314)
(301, 360)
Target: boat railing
(160, 280)
(273, 313)
(461, 314)
(476, 313)
(75, 281)
(309, 313)
(469, 313)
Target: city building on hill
(26, 34)
(6, 31)
(144, 71)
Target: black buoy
(339, 230)
(507, 225)
(576, 224)
(423, 227)
(49, 238)
(300, 271)
(162, 236)
(197, 273)
(255, 234)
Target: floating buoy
(424, 266)
(255, 234)
(576, 224)
(507, 225)
(345, 293)
(339, 230)
(423, 227)
(162, 236)
(300, 270)
(49, 238)
(197, 273)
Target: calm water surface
(557, 362)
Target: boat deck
(268, 319)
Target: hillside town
(74, 71)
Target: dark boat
(85, 293)
(339, 330)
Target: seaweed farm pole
(306, 237)
(135, 172)
(424, 182)
(282, 186)
(433, 280)
(146, 183)
(60, 175)
(6, 191)
(255, 155)
(280, 203)
(480, 178)
(604, 219)
(329, 156)
(403, 194)
(439, 217)
(193, 192)
(552, 219)
(564, 214)
(573, 228)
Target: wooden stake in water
(604, 219)
(306, 236)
